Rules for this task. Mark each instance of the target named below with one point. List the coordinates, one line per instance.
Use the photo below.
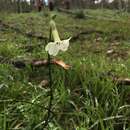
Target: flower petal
(64, 45)
(53, 51)
(55, 33)
(52, 48)
(49, 45)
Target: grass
(85, 97)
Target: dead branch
(43, 62)
(115, 78)
(32, 35)
(27, 34)
(20, 64)
(86, 32)
(122, 81)
(73, 13)
(40, 63)
(89, 16)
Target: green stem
(4, 117)
(50, 86)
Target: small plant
(53, 49)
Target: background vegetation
(90, 95)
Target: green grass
(85, 97)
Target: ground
(88, 96)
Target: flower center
(57, 43)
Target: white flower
(54, 47)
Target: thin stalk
(50, 86)
(45, 123)
(4, 117)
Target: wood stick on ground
(40, 63)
